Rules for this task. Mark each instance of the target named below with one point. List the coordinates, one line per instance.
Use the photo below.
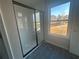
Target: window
(59, 19)
(37, 14)
(38, 21)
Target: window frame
(49, 24)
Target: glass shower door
(26, 30)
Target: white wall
(74, 38)
(37, 4)
(3, 53)
(10, 29)
(56, 40)
(71, 43)
(4, 40)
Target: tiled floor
(48, 51)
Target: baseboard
(57, 45)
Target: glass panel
(38, 29)
(37, 14)
(24, 18)
(59, 19)
(38, 21)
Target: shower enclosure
(26, 26)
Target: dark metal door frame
(25, 6)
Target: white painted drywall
(38, 4)
(56, 40)
(73, 40)
(4, 38)
(10, 28)
(3, 52)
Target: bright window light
(59, 19)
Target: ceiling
(29, 2)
